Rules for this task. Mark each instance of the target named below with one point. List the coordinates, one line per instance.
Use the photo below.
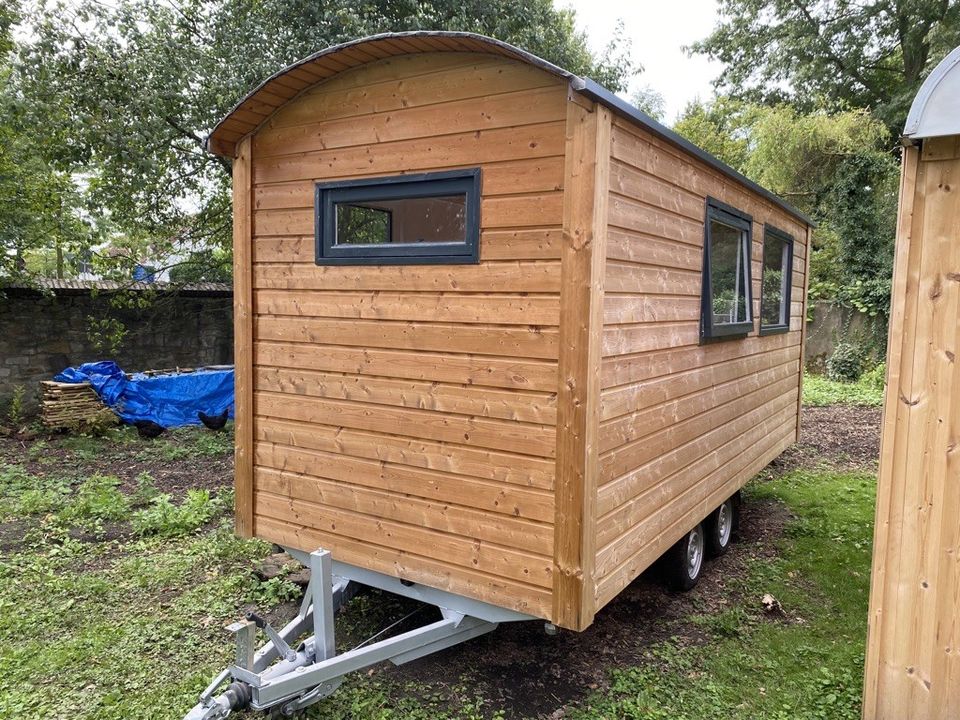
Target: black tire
(683, 563)
(722, 527)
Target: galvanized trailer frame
(281, 678)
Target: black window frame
(398, 187)
(719, 211)
(786, 284)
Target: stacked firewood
(71, 405)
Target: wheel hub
(724, 524)
(694, 552)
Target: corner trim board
(586, 183)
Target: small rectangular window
(726, 306)
(776, 281)
(404, 219)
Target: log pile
(70, 405)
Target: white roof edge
(936, 108)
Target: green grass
(868, 390)
(807, 667)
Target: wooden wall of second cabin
(682, 425)
(405, 415)
(913, 644)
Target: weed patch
(164, 518)
(819, 391)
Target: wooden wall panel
(682, 425)
(913, 664)
(405, 416)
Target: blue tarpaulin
(168, 400)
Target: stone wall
(832, 323)
(41, 333)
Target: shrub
(875, 379)
(846, 363)
(15, 414)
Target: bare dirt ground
(842, 436)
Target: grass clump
(868, 390)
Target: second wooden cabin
(497, 332)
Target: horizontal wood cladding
(305, 479)
(508, 244)
(505, 211)
(495, 277)
(512, 177)
(405, 416)
(406, 536)
(448, 458)
(423, 567)
(484, 371)
(682, 425)
(509, 109)
(507, 309)
(508, 341)
(418, 155)
(671, 522)
(526, 438)
(456, 399)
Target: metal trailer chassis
(284, 678)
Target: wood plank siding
(913, 663)
(405, 416)
(531, 430)
(682, 425)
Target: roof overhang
(936, 108)
(281, 87)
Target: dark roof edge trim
(598, 93)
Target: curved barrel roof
(281, 87)
(936, 108)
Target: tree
(130, 88)
(649, 101)
(41, 215)
(834, 166)
(845, 53)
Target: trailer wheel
(684, 561)
(721, 526)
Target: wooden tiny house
(913, 647)
(474, 345)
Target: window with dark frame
(726, 303)
(431, 218)
(775, 282)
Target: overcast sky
(659, 30)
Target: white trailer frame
(279, 677)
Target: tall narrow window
(776, 281)
(726, 307)
(404, 219)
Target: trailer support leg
(321, 579)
